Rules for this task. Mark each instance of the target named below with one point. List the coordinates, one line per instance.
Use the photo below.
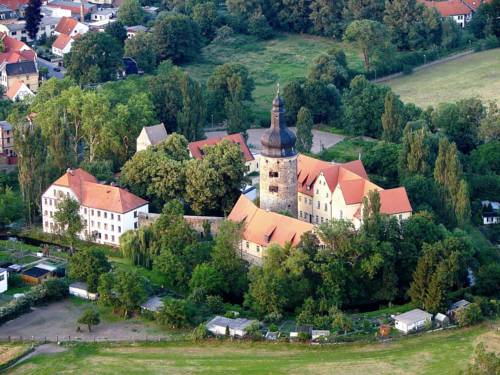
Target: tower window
(273, 189)
(273, 174)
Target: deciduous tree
(88, 265)
(304, 130)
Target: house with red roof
(19, 91)
(196, 149)
(67, 30)
(107, 211)
(327, 191)
(457, 10)
(14, 50)
(261, 228)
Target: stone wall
(196, 222)
(278, 193)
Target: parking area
(321, 139)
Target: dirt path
(57, 322)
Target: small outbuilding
(220, 325)
(35, 275)
(81, 290)
(412, 320)
(271, 336)
(457, 306)
(317, 334)
(153, 305)
(3, 280)
(441, 320)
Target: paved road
(50, 66)
(321, 139)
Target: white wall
(3, 281)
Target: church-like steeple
(278, 140)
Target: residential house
(6, 13)
(329, 191)
(79, 10)
(67, 30)
(413, 320)
(262, 228)
(17, 28)
(196, 149)
(107, 211)
(132, 30)
(491, 212)
(457, 10)
(104, 14)
(16, 6)
(151, 136)
(19, 91)
(220, 325)
(6, 139)
(15, 50)
(4, 275)
(441, 320)
(13, 72)
(81, 290)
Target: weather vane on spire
(278, 92)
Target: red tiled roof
(13, 45)
(94, 195)
(61, 41)
(264, 227)
(394, 201)
(66, 25)
(448, 8)
(196, 148)
(353, 182)
(474, 4)
(14, 4)
(14, 89)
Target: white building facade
(106, 211)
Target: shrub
(200, 333)
(215, 304)
(407, 69)
(469, 315)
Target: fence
(87, 339)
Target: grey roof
(106, 11)
(156, 133)
(440, 317)
(413, 316)
(221, 321)
(49, 20)
(459, 304)
(79, 285)
(2, 270)
(4, 8)
(5, 125)
(136, 28)
(153, 304)
(21, 67)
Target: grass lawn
(9, 352)
(474, 75)
(18, 246)
(345, 151)
(437, 353)
(280, 59)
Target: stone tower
(278, 164)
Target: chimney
(70, 171)
(82, 18)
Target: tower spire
(278, 90)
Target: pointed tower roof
(278, 140)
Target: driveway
(321, 139)
(58, 321)
(51, 68)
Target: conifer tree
(391, 120)
(33, 17)
(462, 203)
(434, 297)
(415, 152)
(191, 119)
(418, 288)
(304, 130)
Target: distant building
(151, 136)
(491, 212)
(196, 149)
(16, 6)
(67, 31)
(457, 10)
(6, 139)
(36, 275)
(104, 14)
(17, 28)
(263, 228)
(80, 290)
(107, 211)
(413, 320)
(456, 307)
(154, 304)
(317, 334)
(18, 91)
(441, 320)
(133, 30)
(4, 274)
(220, 325)
(11, 73)
(79, 10)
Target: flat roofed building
(412, 320)
(220, 325)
